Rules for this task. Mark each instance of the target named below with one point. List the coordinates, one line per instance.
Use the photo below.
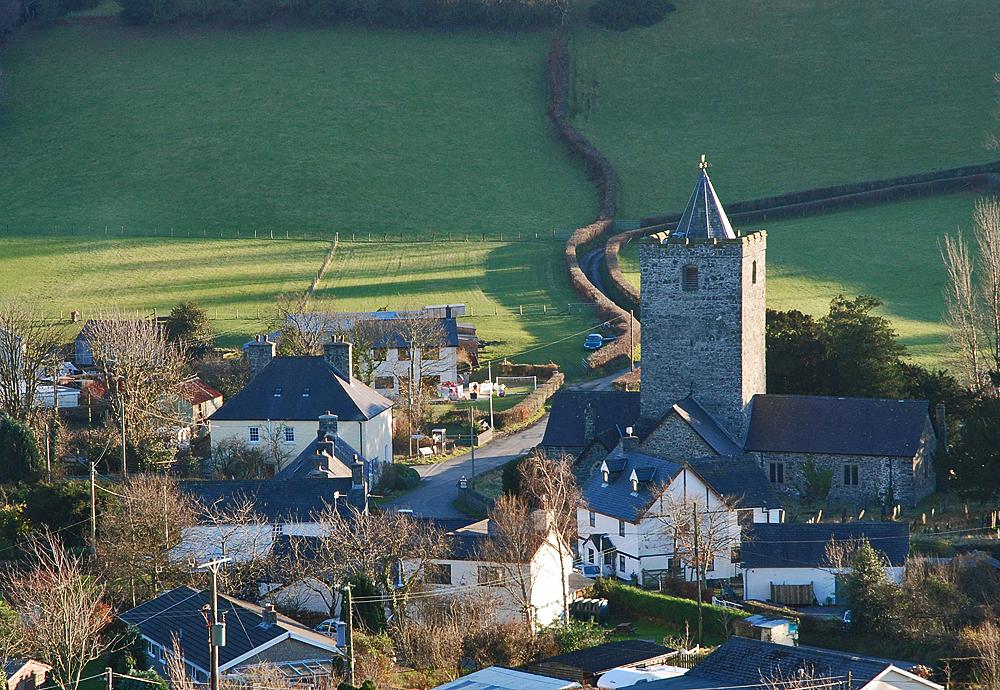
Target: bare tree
(63, 610)
(234, 529)
(28, 350)
(986, 225)
(551, 486)
(985, 640)
(963, 313)
(177, 674)
(304, 325)
(136, 532)
(514, 538)
(369, 337)
(839, 554)
(143, 373)
(803, 678)
(422, 339)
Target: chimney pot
(269, 615)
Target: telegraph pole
(697, 567)
(349, 633)
(472, 435)
(216, 629)
(489, 369)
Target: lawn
(787, 94)
(282, 128)
(890, 251)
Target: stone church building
(703, 386)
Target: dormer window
(635, 485)
(605, 474)
(277, 391)
(689, 278)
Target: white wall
(757, 581)
(446, 366)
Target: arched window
(689, 278)
(753, 273)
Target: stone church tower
(703, 313)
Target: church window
(850, 475)
(777, 473)
(689, 278)
(753, 273)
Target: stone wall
(708, 342)
(674, 439)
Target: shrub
(510, 477)
(504, 644)
(532, 403)
(621, 15)
(576, 635)
(19, 457)
(398, 478)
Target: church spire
(704, 218)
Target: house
(499, 678)
(580, 419)
(281, 406)
(254, 635)
(25, 674)
(703, 379)
(587, 665)
(625, 523)
(751, 664)
(327, 456)
(197, 402)
(463, 573)
(789, 563)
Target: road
(438, 488)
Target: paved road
(590, 264)
(439, 486)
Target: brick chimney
(327, 425)
(269, 616)
(260, 351)
(359, 485)
(630, 442)
(337, 354)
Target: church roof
(704, 218)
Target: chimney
(260, 351)
(338, 355)
(269, 616)
(328, 425)
(359, 485)
(941, 426)
(630, 442)
(588, 422)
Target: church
(703, 386)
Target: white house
(789, 563)
(281, 406)
(464, 574)
(626, 526)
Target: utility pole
(349, 633)
(216, 629)
(472, 436)
(109, 676)
(697, 566)
(93, 506)
(489, 369)
(631, 340)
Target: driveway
(438, 488)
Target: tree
(985, 640)
(877, 604)
(13, 643)
(62, 609)
(796, 359)
(19, 457)
(29, 346)
(975, 456)
(422, 338)
(234, 458)
(865, 352)
(143, 373)
(136, 532)
(234, 528)
(304, 326)
(189, 328)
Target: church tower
(703, 312)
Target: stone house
(588, 424)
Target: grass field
(787, 95)
(282, 128)
(889, 251)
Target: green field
(890, 251)
(787, 95)
(282, 128)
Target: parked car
(594, 341)
(328, 627)
(589, 570)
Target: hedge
(532, 403)
(673, 611)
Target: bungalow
(281, 405)
(254, 635)
(790, 563)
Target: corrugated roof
(616, 499)
(794, 545)
(196, 391)
(613, 412)
(306, 388)
(739, 479)
(703, 217)
(838, 426)
(277, 501)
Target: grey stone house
(703, 377)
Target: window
(437, 574)
(430, 353)
(753, 273)
(621, 563)
(621, 528)
(277, 391)
(289, 434)
(305, 392)
(590, 555)
(403, 354)
(689, 278)
(489, 576)
(777, 473)
(850, 475)
(254, 434)
(379, 354)
(593, 519)
(384, 382)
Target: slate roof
(338, 466)
(739, 479)
(596, 660)
(178, 611)
(745, 662)
(793, 545)
(616, 499)
(613, 411)
(449, 333)
(706, 427)
(703, 217)
(277, 501)
(836, 426)
(293, 377)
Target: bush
(19, 457)
(510, 477)
(504, 644)
(398, 478)
(621, 15)
(576, 635)
(532, 403)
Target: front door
(609, 563)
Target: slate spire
(704, 218)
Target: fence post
(520, 309)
